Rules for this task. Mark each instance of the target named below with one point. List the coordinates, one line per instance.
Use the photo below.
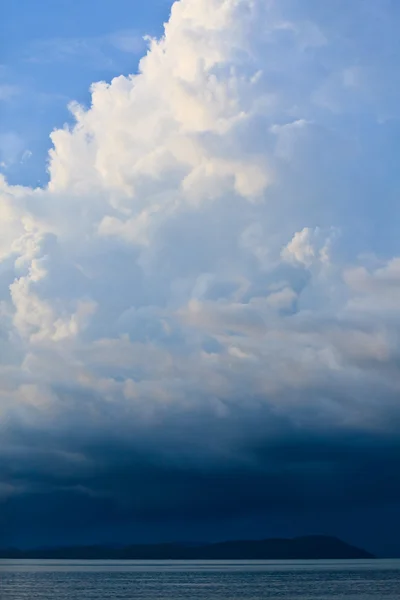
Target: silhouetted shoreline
(300, 548)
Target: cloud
(8, 92)
(127, 41)
(96, 51)
(196, 300)
(12, 147)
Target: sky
(199, 271)
(50, 54)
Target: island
(315, 547)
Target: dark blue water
(208, 580)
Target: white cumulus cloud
(185, 254)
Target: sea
(199, 580)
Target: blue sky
(51, 53)
(200, 272)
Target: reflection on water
(222, 580)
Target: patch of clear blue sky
(51, 51)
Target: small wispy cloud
(126, 41)
(12, 148)
(8, 92)
(97, 51)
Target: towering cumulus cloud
(200, 313)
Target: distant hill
(300, 548)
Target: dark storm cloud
(70, 488)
